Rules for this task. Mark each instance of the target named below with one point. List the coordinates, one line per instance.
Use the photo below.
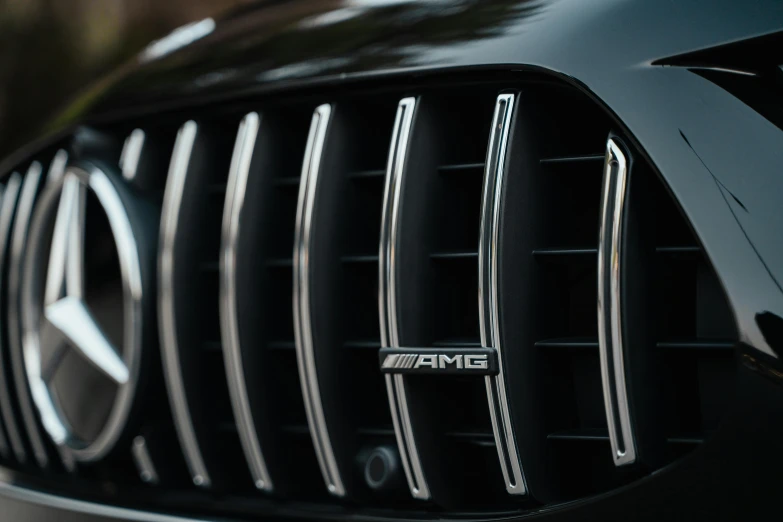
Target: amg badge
(463, 361)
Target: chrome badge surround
(53, 309)
(458, 361)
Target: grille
(260, 213)
(295, 238)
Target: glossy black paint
(715, 151)
(721, 158)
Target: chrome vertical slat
(15, 216)
(5, 447)
(131, 154)
(143, 460)
(387, 296)
(57, 168)
(7, 210)
(24, 212)
(229, 324)
(172, 201)
(502, 425)
(303, 334)
(610, 340)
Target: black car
(364, 261)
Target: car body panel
(714, 151)
(721, 159)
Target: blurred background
(52, 49)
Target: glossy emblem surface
(82, 351)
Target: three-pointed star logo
(67, 321)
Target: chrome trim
(610, 340)
(502, 425)
(24, 212)
(387, 296)
(61, 315)
(57, 167)
(172, 200)
(303, 335)
(71, 317)
(143, 460)
(131, 154)
(92, 509)
(66, 256)
(7, 210)
(5, 448)
(229, 323)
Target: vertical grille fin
(175, 186)
(235, 199)
(387, 300)
(308, 374)
(610, 339)
(502, 426)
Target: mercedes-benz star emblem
(82, 379)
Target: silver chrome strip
(387, 296)
(172, 200)
(610, 340)
(143, 460)
(46, 500)
(303, 334)
(66, 312)
(23, 194)
(131, 153)
(502, 425)
(229, 323)
(4, 444)
(24, 212)
(57, 167)
(7, 210)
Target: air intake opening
(189, 283)
(438, 295)
(551, 206)
(264, 356)
(548, 253)
(694, 332)
(342, 281)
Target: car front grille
(293, 238)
